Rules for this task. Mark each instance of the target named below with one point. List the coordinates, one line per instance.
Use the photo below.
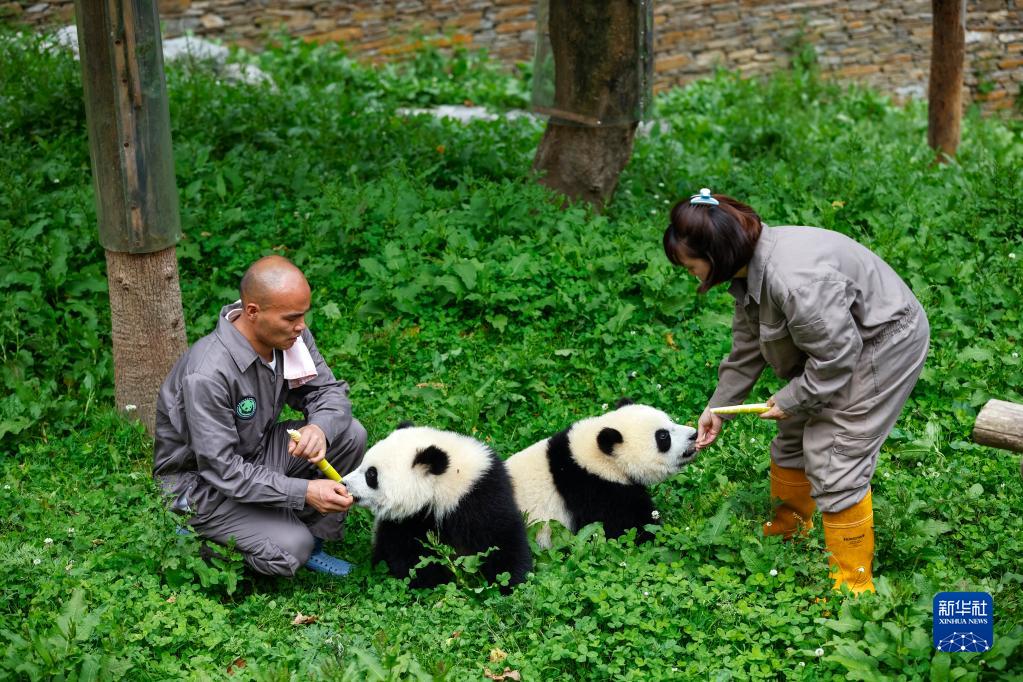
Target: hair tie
(704, 197)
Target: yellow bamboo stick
(328, 471)
(752, 408)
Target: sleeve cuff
(788, 403)
(296, 492)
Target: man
(220, 451)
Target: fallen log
(1000, 425)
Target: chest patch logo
(246, 408)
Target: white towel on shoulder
(299, 367)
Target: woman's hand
(707, 429)
(775, 412)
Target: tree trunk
(1000, 425)
(136, 194)
(147, 327)
(584, 163)
(598, 85)
(945, 95)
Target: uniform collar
(234, 341)
(750, 289)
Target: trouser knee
(345, 453)
(282, 555)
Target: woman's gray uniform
(835, 320)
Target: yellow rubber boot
(795, 514)
(849, 536)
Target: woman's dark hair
(723, 235)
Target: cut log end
(1000, 425)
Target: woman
(835, 321)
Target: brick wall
(882, 44)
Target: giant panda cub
(598, 469)
(419, 479)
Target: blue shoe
(321, 562)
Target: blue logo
(963, 621)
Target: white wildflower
(645, 593)
(622, 564)
(70, 565)
(660, 184)
(1014, 354)
(7, 486)
(802, 664)
(1012, 256)
(36, 562)
(752, 440)
(633, 332)
(632, 374)
(658, 387)
(70, 531)
(48, 541)
(130, 408)
(653, 211)
(603, 406)
(819, 652)
(666, 201)
(774, 572)
(655, 515)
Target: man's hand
(775, 412)
(327, 496)
(312, 446)
(707, 429)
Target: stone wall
(882, 44)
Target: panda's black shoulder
(488, 501)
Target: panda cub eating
(420, 479)
(598, 469)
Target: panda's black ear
(607, 439)
(404, 425)
(433, 458)
(623, 401)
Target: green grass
(449, 289)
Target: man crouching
(220, 452)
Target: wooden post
(945, 91)
(597, 90)
(136, 194)
(1000, 425)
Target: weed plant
(450, 290)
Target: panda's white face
(417, 468)
(632, 444)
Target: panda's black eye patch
(435, 459)
(371, 478)
(607, 439)
(663, 439)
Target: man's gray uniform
(222, 455)
(836, 321)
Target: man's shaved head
(268, 278)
